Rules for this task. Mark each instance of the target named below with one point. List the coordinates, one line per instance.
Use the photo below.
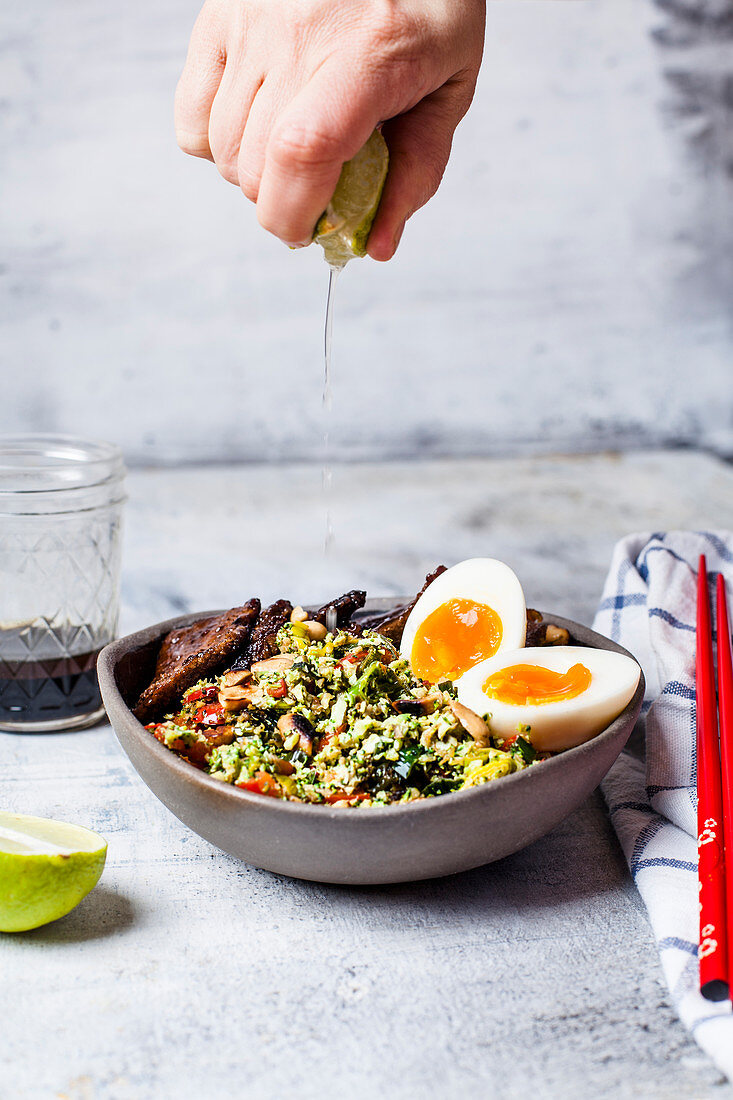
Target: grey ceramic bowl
(439, 836)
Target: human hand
(279, 93)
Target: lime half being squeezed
(46, 868)
(343, 228)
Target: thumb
(325, 124)
(419, 146)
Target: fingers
(265, 108)
(325, 124)
(230, 110)
(198, 84)
(419, 146)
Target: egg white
(484, 580)
(555, 725)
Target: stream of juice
(327, 477)
(333, 274)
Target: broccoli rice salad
(337, 717)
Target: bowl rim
(111, 654)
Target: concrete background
(568, 289)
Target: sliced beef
(262, 643)
(191, 652)
(343, 607)
(392, 623)
(389, 623)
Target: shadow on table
(102, 913)
(580, 859)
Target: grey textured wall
(568, 288)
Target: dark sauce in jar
(47, 689)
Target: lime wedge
(46, 868)
(343, 228)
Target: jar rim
(49, 462)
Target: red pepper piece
(209, 715)
(352, 658)
(208, 693)
(344, 796)
(260, 783)
(329, 737)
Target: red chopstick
(712, 952)
(725, 706)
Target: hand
(279, 93)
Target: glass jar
(61, 504)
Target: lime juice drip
(343, 231)
(333, 274)
(327, 477)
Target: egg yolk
(454, 638)
(533, 684)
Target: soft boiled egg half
(566, 695)
(469, 613)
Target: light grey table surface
(189, 974)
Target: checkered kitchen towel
(648, 605)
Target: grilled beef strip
(190, 653)
(344, 607)
(263, 641)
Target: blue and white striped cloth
(648, 605)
